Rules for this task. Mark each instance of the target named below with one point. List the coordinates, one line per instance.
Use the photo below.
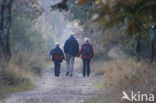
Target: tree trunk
(5, 25)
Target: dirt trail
(61, 89)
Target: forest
(123, 35)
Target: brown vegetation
(17, 75)
(123, 75)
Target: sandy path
(61, 89)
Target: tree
(27, 8)
(5, 25)
(132, 18)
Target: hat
(71, 35)
(153, 27)
(56, 44)
(86, 40)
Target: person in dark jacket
(86, 53)
(71, 49)
(57, 58)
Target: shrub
(17, 75)
(123, 75)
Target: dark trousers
(86, 63)
(57, 68)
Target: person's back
(57, 54)
(57, 58)
(71, 49)
(71, 46)
(86, 52)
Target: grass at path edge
(19, 88)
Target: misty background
(54, 25)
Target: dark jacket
(57, 54)
(71, 46)
(91, 55)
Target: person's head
(71, 35)
(153, 27)
(86, 40)
(56, 44)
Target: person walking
(57, 57)
(71, 49)
(86, 53)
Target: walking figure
(71, 49)
(57, 58)
(86, 53)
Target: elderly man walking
(71, 50)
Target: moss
(99, 85)
(46, 64)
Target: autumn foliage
(139, 14)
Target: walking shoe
(71, 75)
(56, 75)
(67, 73)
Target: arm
(81, 49)
(77, 47)
(65, 47)
(62, 54)
(80, 52)
(92, 51)
(51, 53)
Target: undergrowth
(123, 75)
(17, 75)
